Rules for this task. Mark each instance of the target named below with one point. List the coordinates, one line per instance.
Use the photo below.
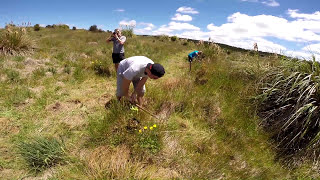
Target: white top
(133, 68)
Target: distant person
(255, 46)
(136, 69)
(118, 47)
(193, 55)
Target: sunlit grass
(207, 128)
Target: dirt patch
(72, 113)
(43, 176)
(171, 83)
(105, 100)
(37, 90)
(32, 65)
(166, 109)
(133, 124)
(7, 127)
(104, 162)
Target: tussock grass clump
(41, 153)
(14, 41)
(289, 106)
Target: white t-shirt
(133, 68)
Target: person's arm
(138, 88)
(110, 38)
(140, 85)
(121, 39)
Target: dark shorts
(117, 57)
(190, 59)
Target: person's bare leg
(140, 99)
(116, 65)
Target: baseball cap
(156, 69)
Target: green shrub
(12, 75)
(289, 106)
(101, 68)
(14, 41)
(36, 27)
(164, 38)
(127, 30)
(60, 26)
(174, 38)
(41, 153)
(93, 28)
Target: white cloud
(179, 17)
(242, 30)
(187, 10)
(131, 23)
(144, 28)
(271, 3)
(313, 49)
(294, 14)
(249, 0)
(119, 10)
(300, 54)
(175, 26)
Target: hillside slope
(207, 127)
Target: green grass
(209, 128)
(42, 153)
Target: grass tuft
(41, 153)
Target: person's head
(200, 52)
(155, 71)
(117, 31)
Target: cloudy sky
(290, 27)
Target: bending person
(136, 69)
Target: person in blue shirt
(193, 55)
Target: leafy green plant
(149, 138)
(289, 106)
(41, 153)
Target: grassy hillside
(54, 123)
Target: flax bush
(289, 106)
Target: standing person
(255, 46)
(136, 69)
(118, 47)
(193, 55)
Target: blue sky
(290, 27)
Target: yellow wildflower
(145, 127)
(155, 125)
(151, 128)
(140, 131)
